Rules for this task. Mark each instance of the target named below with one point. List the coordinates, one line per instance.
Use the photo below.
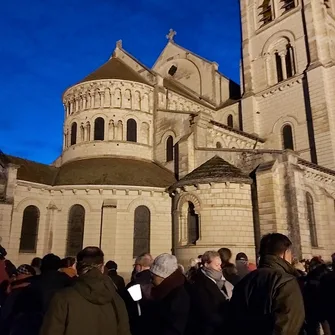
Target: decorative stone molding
(284, 85)
(189, 197)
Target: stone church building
(179, 157)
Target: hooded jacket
(91, 306)
(268, 300)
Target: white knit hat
(164, 265)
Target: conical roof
(115, 68)
(215, 169)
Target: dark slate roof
(114, 171)
(215, 169)
(95, 171)
(115, 68)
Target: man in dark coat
(170, 306)
(91, 306)
(269, 300)
(118, 281)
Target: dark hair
(111, 265)
(36, 262)
(67, 262)
(89, 258)
(10, 268)
(225, 255)
(50, 262)
(274, 244)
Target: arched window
(169, 149)
(311, 220)
(75, 230)
(172, 70)
(131, 130)
(230, 121)
(141, 242)
(288, 137)
(192, 224)
(218, 145)
(73, 133)
(29, 230)
(289, 60)
(99, 129)
(265, 13)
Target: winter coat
(268, 300)
(138, 323)
(327, 297)
(71, 272)
(91, 306)
(4, 281)
(169, 309)
(117, 280)
(208, 306)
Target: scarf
(215, 275)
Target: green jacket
(268, 300)
(91, 306)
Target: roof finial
(172, 33)
(119, 44)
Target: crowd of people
(278, 295)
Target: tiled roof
(115, 68)
(95, 171)
(215, 169)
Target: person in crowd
(91, 305)
(144, 279)
(228, 269)
(170, 306)
(111, 271)
(193, 269)
(34, 302)
(10, 311)
(299, 267)
(210, 293)
(4, 278)
(242, 264)
(67, 265)
(36, 263)
(313, 297)
(269, 300)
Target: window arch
(99, 129)
(169, 149)
(131, 130)
(218, 145)
(311, 220)
(141, 242)
(192, 224)
(29, 230)
(288, 137)
(230, 121)
(75, 232)
(73, 133)
(265, 12)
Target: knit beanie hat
(164, 265)
(26, 269)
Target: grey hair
(208, 256)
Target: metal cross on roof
(172, 33)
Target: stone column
(11, 181)
(109, 228)
(283, 64)
(48, 231)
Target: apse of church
(179, 158)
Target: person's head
(276, 244)
(143, 262)
(50, 262)
(225, 255)
(163, 266)
(3, 252)
(90, 258)
(193, 263)
(10, 269)
(67, 262)
(36, 262)
(25, 271)
(315, 262)
(211, 260)
(111, 266)
(241, 257)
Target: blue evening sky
(47, 45)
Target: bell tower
(288, 75)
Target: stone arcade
(178, 157)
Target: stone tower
(288, 75)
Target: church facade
(179, 158)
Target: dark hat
(241, 256)
(26, 269)
(111, 265)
